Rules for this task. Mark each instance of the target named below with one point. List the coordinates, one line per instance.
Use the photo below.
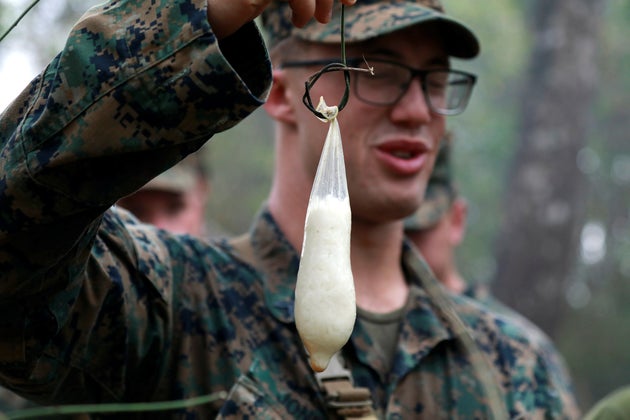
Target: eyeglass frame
(421, 73)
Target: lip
(402, 157)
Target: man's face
(389, 150)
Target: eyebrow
(391, 54)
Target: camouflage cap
(439, 195)
(178, 179)
(371, 18)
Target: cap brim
(175, 180)
(363, 22)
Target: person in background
(98, 308)
(438, 228)
(175, 200)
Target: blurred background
(542, 155)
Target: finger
(323, 10)
(302, 10)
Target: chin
(405, 206)
(385, 212)
(387, 203)
(405, 211)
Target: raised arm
(138, 86)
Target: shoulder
(519, 324)
(524, 357)
(515, 340)
(477, 313)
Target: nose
(412, 108)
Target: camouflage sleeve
(138, 86)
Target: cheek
(356, 124)
(354, 156)
(439, 129)
(310, 143)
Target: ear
(458, 216)
(279, 105)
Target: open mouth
(403, 149)
(403, 157)
(402, 154)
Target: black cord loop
(342, 66)
(306, 99)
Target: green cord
(343, 34)
(346, 73)
(306, 99)
(114, 407)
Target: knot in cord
(328, 112)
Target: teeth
(403, 155)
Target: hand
(227, 16)
(321, 10)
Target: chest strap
(342, 398)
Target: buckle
(342, 397)
(345, 399)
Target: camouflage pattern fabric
(370, 18)
(553, 361)
(96, 307)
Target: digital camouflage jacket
(96, 307)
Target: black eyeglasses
(446, 91)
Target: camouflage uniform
(96, 307)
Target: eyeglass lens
(445, 91)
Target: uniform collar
(422, 327)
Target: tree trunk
(544, 200)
